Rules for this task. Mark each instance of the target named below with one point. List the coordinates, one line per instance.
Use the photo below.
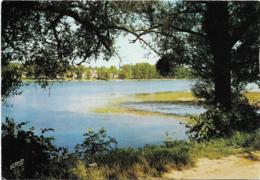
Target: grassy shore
(176, 97)
(121, 110)
(166, 97)
(126, 163)
(180, 96)
(154, 161)
(253, 97)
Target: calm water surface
(68, 108)
(167, 108)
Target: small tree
(95, 143)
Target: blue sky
(130, 53)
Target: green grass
(155, 160)
(164, 97)
(140, 162)
(214, 150)
(121, 110)
(173, 97)
(176, 97)
(183, 97)
(253, 97)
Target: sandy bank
(243, 166)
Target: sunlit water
(166, 108)
(68, 108)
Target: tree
(52, 35)
(80, 70)
(87, 73)
(220, 41)
(126, 72)
(113, 72)
(191, 33)
(11, 79)
(165, 66)
(103, 73)
(205, 36)
(183, 72)
(144, 71)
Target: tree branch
(138, 36)
(190, 31)
(152, 30)
(90, 53)
(12, 45)
(76, 17)
(58, 41)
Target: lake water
(167, 108)
(68, 108)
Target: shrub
(25, 154)
(246, 140)
(94, 144)
(217, 122)
(81, 171)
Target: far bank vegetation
(128, 71)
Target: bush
(217, 122)
(95, 144)
(26, 155)
(246, 140)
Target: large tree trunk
(217, 27)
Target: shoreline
(249, 89)
(172, 97)
(93, 80)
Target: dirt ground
(242, 166)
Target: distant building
(93, 74)
(74, 75)
(113, 76)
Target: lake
(68, 108)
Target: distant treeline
(137, 71)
